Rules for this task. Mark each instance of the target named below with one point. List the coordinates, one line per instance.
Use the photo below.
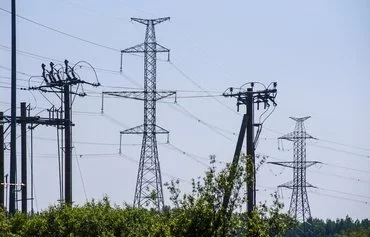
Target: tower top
(300, 119)
(152, 21)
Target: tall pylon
(149, 189)
(299, 205)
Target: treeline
(104, 220)
(346, 227)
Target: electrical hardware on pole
(247, 96)
(60, 81)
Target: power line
(200, 87)
(191, 156)
(343, 144)
(331, 174)
(341, 176)
(80, 172)
(89, 142)
(339, 197)
(63, 33)
(104, 70)
(132, 160)
(216, 129)
(347, 168)
(19, 72)
(342, 151)
(350, 194)
(39, 57)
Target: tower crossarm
(291, 164)
(152, 47)
(296, 135)
(141, 130)
(146, 21)
(300, 119)
(139, 95)
(291, 185)
(284, 164)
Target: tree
(202, 208)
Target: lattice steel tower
(299, 205)
(149, 191)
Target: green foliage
(198, 213)
(338, 228)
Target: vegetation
(198, 213)
(340, 228)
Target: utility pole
(299, 206)
(13, 131)
(249, 98)
(149, 190)
(2, 147)
(24, 188)
(251, 162)
(67, 146)
(60, 82)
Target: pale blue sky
(317, 51)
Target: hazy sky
(317, 51)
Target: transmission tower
(148, 189)
(299, 205)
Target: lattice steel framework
(299, 205)
(149, 190)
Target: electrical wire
(343, 144)
(19, 72)
(341, 176)
(80, 172)
(339, 197)
(346, 193)
(329, 174)
(191, 156)
(63, 33)
(342, 151)
(216, 129)
(200, 87)
(36, 56)
(132, 160)
(347, 168)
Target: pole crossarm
(36, 120)
(140, 95)
(259, 97)
(290, 164)
(141, 130)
